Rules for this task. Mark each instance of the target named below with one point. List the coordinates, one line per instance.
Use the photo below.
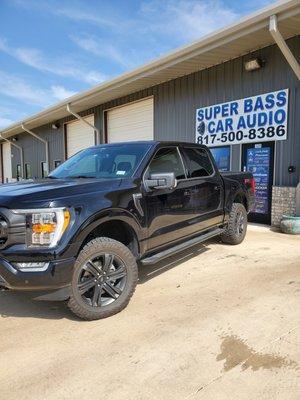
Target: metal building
(236, 90)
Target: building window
(222, 157)
(18, 172)
(27, 171)
(57, 163)
(44, 169)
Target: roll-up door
(80, 136)
(131, 122)
(7, 169)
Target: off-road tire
(96, 246)
(232, 234)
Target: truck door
(206, 188)
(168, 211)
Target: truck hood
(44, 192)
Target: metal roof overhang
(249, 34)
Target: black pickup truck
(78, 234)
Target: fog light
(32, 266)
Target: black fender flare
(238, 194)
(103, 216)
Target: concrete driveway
(215, 322)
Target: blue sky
(52, 49)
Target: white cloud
(102, 49)
(61, 93)
(76, 11)
(17, 88)
(66, 68)
(186, 19)
(4, 122)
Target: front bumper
(58, 275)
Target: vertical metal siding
(176, 101)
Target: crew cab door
(166, 209)
(205, 186)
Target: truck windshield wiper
(80, 176)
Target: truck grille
(3, 230)
(12, 229)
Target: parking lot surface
(214, 322)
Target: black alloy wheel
(104, 279)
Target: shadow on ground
(17, 304)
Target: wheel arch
(241, 198)
(119, 225)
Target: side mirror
(164, 180)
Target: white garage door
(131, 122)
(6, 154)
(80, 136)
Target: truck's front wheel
(104, 279)
(237, 225)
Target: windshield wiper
(80, 176)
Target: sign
(258, 162)
(253, 119)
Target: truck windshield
(107, 161)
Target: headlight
(45, 226)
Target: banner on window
(254, 119)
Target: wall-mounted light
(55, 126)
(14, 139)
(253, 64)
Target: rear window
(198, 162)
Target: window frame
(26, 175)
(180, 156)
(18, 172)
(184, 156)
(42, 163)
(55, 161)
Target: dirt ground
(215, 322)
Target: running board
(182, 246)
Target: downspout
(21, 153)
(96, 130)
(43, 141)
(281, 43)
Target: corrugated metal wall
(176, 101)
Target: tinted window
(198, 162)
(167, 160)
(117, 161)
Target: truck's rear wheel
(104, 279)
(237, 225)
